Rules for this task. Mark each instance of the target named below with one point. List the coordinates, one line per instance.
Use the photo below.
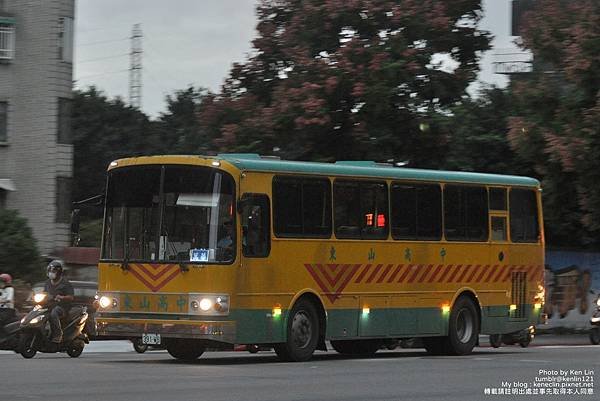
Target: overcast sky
(191, 42)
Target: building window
(3, 121)
(7, 39)
(65, 39)
(302, 207)
(65, 107)
(63, 199)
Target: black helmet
(56, 266)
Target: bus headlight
(108, 303)
(209, 304)
(206, 304)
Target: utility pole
(135, 69)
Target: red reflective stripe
(417, 271)
(395, 273)
(385, 272)
(477, 267)
(446, 271)
(435, 273)
(403, 276)
(372, 276)
(483, 271)
(464, 273)
(500, 273)
(362, 274)
(425, 273)
(454, 273)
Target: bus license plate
(151, 339)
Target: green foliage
(477, 135)
(334, 80)
(19, 255)
(557, 108)
(105, 130)
(90, 233)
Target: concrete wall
(32, 84)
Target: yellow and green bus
(210, 252)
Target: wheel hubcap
(464, 326)
(301, 329)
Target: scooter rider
(60, 290)
(7, 299)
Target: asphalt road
(111, 371)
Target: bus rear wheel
(302, 333)
(463, 331)
(185, 349)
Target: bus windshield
(169, 213)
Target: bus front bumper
(222, 331)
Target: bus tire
(463, 327)
(302, 333)
(185, 349)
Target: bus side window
(256, 235)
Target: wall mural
(572, 286)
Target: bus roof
(254, 162)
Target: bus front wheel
(185, 349)
(302, 333)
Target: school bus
(210, 252)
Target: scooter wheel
(75, 348)
(595, 336)
(138, 346)
(495, 340)
(26, 349)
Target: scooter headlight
(38, 298)
(598, 302)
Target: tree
(180, 129)
(105, 130)
(557, 127)
(19, 255)
(477, 135)
(358, 79)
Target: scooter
(595, 321)
(35, 330)
(522, 337)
